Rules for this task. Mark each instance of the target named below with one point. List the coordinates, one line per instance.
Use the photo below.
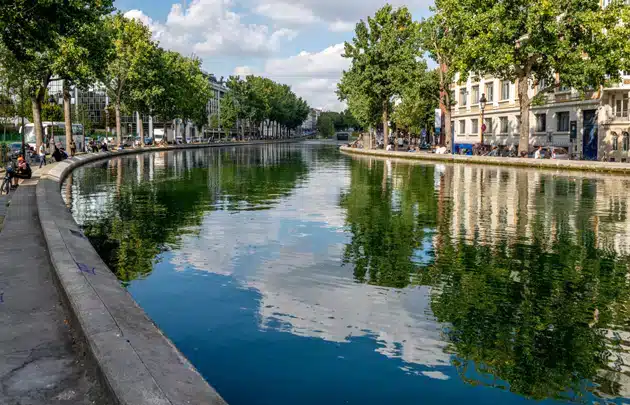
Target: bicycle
(5, 188)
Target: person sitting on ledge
(22, 171)
(57, 154)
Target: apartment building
(592, 125)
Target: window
(542, 84)
(563, 121)
(475, 126)
(626, 141)
(489, 128)
(462, 127)
(503, 122)
(475, 95)
(462, 97)
(541, 122)
(490, 92)
(615, 141)
(505, 90)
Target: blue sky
(297, 42)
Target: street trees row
(574, 43)
(255, 101)
(82, 43)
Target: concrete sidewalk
(39, 361)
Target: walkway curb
(137, 363)
(549, 164)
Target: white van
(158, 134)
(56, 129)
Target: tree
(439, 38)
(383, 53)
(529, 42)
(33, 34)
(229, 113)
(81, 57)
(418, 103)
(325, 125)
(126, 59)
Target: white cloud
(340, 15)
(211, 27)
(313, 76)
(287, 13)
(341, 26)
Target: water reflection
(529, 271)
(134, 208)
(467, 276)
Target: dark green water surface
(292, 274)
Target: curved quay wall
(577, 165)
(137, 363)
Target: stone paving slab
(39, 360)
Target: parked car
(15, 149)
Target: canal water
(293, 274)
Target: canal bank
(548, 164)
(135, 362)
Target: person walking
(42, 155)
(73, 148)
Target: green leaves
(257, 99)
(383, 52)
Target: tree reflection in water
(142, 218)
(529, 272)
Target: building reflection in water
(528, 270)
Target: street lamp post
(482, 107)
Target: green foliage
(383, 52)
(326, 125)
(331, 121)
(418, 103)
(32, 29)
(129, 56)
(441, 39)
(256, 99)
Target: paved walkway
(38, 360)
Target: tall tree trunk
(448, 127)
(385, 123)
(36, 101)
(141, 130)
(524, 101)
(118, 125)
(445, 107)
(66, 116)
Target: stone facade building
(598, 119)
